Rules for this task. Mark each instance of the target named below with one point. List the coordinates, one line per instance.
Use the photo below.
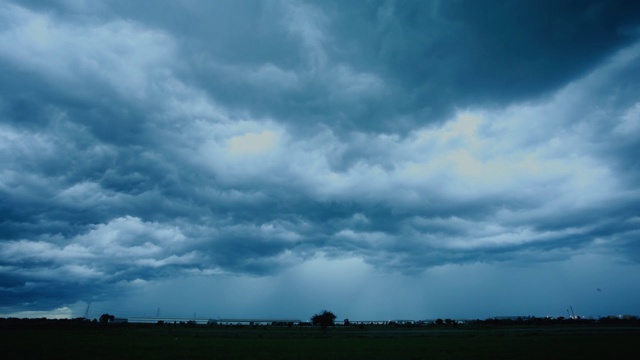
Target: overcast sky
(379, 159)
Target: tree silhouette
(324, 319)
(105, 318)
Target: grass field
(134, 341)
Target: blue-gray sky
(380, 159)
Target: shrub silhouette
(324, 319)
(105, 318)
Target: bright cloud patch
(253, 143)
(59, 313)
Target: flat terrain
(143, 341)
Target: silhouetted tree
(105, 318)
(347, 322)
(324, 319)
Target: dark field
(143, 341)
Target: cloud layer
(188, 139)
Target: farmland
(84, 340)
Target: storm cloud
(241, 143)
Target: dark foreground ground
(65, 340)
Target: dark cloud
(438, 56)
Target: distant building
(279, 322)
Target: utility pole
(86, 311)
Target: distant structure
(86, 312)
(253, 321)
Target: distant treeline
(44, 322)
(438, 323)
(559, 320)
